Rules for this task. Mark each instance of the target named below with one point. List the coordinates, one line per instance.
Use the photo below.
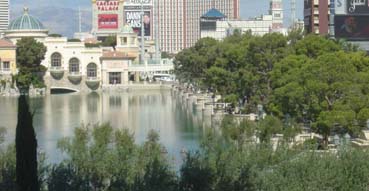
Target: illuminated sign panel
(352, 27)
(108, 21)
(358, 7)
(133, 19)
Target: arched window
(74, 65)
(56, 60)
(91, 70)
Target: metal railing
(92, 78)
(75, 73)
(56, 68)
(5, 69)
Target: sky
(60, 13)
(248, 8)
(252, 8)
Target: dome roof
(26, 22)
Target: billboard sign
(112, 5)
(340, 7)
(133, 19)
(108, 21)
(352, 27)
(358, 7)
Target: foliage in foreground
(26, 149)
(101, 158)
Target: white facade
(60, 57)
(74, 66)
(4, 14)
(78, 67)
(276, 10)
(15, 35)
(69, 50)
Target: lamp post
(142, 35)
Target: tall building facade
(316, 16)
(179, 20)
(276, 10)
(4, 14)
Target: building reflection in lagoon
(56, 116)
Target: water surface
(56, 116)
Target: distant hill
(56, 17)
(50, 3)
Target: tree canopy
(30, 54)
(310, 78)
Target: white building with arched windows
(71, 64)
(75, 66)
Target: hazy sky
(252, 8)
(249, 8)
(58, 21)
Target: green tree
(190, 64)
(64, 177)
(196, 176)
(263, 53)
(8, 169)
(110, 41)
(30, 53)
(26, 149)
(268, 127)
(295, 34)
(166, 55)
(221, 80)
(157, 177)
(315, 45)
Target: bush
(3, 83)
(55, 35)
(92, 45)
(74, 40)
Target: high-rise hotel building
(4, 14)
(179, 20)
(316, 16)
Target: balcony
(56, 72)
(75, 77)
(5, 71)
(93, 83)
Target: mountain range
(59, 16)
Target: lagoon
(56, 116)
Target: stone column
(125, 76)
(137, 76)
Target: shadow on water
(61, 91)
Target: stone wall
(66, 82)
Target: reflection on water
(56, 116)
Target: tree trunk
(26, 149)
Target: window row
(74, 65)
